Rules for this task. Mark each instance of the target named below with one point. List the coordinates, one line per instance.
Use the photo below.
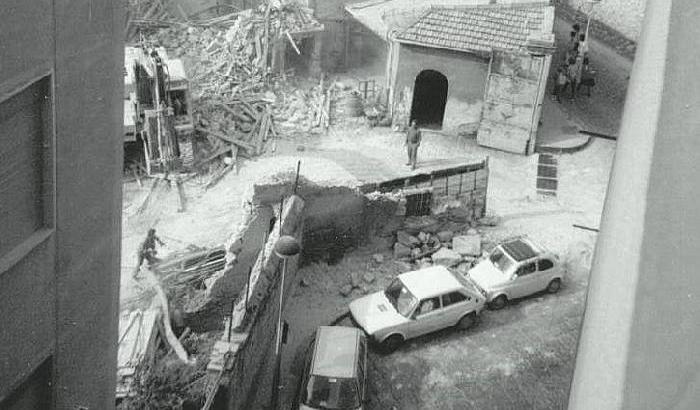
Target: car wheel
(392, 343)
(554, 286)
(499, 303)
(467, 321)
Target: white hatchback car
(514, 269)
(416, 303)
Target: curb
(568, 150)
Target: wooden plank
(234, 141)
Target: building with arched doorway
(473, 68)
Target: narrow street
(602, 111)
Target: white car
(416, 303)
(514, 269)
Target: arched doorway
(429, 99)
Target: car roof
(431, 281)
(521, 249)
(334, 355)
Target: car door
(426, 317)
(455, 305)
(523, 284)
(545, 272)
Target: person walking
(561, 81)
(147, 251)
(413, 140)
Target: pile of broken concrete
(427, 244)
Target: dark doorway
(429, 99)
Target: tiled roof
(478, 29)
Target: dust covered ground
(521, 357)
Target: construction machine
(157, 118)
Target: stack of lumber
(237, 100)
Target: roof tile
(476, 28)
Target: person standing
(573, 72)
(413, 140)
(587, 77)
(583, 45)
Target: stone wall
(333, 222)
(624, 15)
(605, 26)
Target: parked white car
(514, 269)
(416, 303)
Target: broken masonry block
(468, 245)
(446, 257)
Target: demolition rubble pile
(240, 104)
(450, 240)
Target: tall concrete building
(639, 345)
(60, 202)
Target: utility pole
(285, 248)
(593, 3)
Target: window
(452, 298)
(26, 165)
(418, 204)
(545, 264)
(428, 305)
(500, 260)
(527, 269)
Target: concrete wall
(624, 16)
(243, 249)
(251, 378)
(466, 75)
(638, 347)
(59, 298)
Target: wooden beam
(226, 138)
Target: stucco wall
(624, 16)
(466, 75)
(61, 299)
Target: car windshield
(501, 260)
(331, 393)
(400, 297)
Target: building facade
(473, 69)
(61, 108)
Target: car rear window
(332, 393)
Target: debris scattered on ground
(467, 245)
(446, 257)
(446, 239)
